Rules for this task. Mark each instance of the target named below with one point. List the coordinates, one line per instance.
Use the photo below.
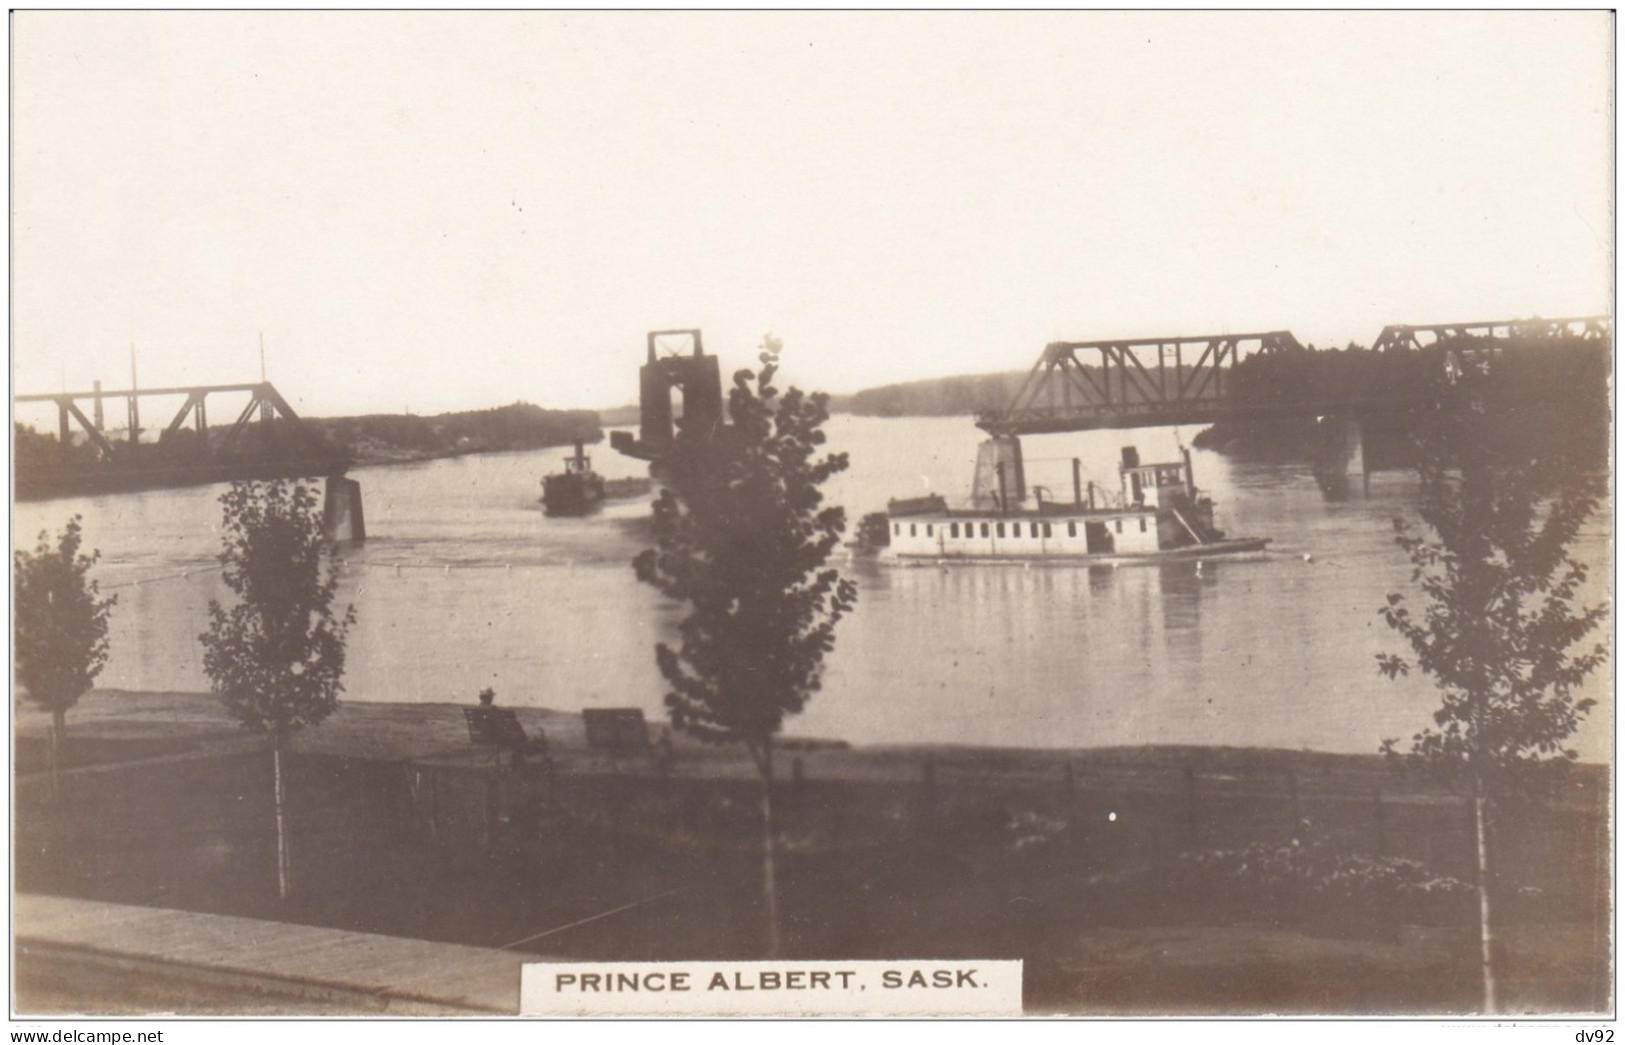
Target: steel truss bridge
(1493, 335)
(267, 440)
(1140, 383)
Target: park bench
(498, 730)
(617, 732)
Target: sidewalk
(343, 971)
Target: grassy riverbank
(1130, 880)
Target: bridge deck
(1044, 421)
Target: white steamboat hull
(1062, 557)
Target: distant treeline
(520, 426)
(621, 416)
(38, 454)
(935, 397)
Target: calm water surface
(464, 583)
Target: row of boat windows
(953, 529)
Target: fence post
(928, 812)
(1190, 808)
(488, 811)
(1381, 816)
(614, 796)
(1601, 909)
(1297, 806)
(1073, 831)
(413, 778)
(434, 805)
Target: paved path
(387, 972)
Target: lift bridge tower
(677, 363)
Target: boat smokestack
(1131, 457)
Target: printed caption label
(896, 988)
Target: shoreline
(403, 731)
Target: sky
(436, 211)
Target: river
(465, 583)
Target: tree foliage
(1498, 626)
(743, 539)
(60, 620)
(276, 657)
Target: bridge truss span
(267, 440)
(1132, 383)
(1492, 334)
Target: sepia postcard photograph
(842, 514)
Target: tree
(61, 628)
(743, 539)
(1499, 629)
(275, 659)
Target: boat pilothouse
(577, 489)
(1157, 512)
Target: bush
(874, 532)
(1322, 884)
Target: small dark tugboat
(574, 491)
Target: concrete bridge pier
(1339, 460)
(1000, 482)
(342, 517)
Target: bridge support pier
(342, 517)
(1001, 479)
(1340, 457)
